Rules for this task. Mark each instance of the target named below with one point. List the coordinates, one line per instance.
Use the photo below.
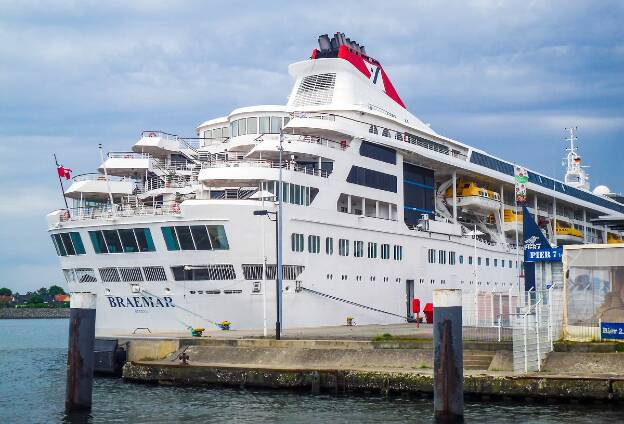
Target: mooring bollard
(80, 356)
(448, 363)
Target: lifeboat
(510, 218)
(473, 199)
(614, 239)
(567, 234)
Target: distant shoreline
(34, 313)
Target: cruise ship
(378, 209)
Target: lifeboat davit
(473, 199)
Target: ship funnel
(324, 43)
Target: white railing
(128, 155)
(341, 145)
(124, 210)
(290, 166)
(97, 177)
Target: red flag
(64, 172)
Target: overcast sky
(504, 76)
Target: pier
(383, 359)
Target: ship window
(77, 240)
(343, 247)
(329, 245)
(242, 126)
(314, 244)
(461, 259)
(479, 261)
(385, 251)
(218, 238)
(170, 238)
(185, 238)
(252, 125)
(375, 151)
(85, 275)
(487, 261)
(235, 129)
(358, 248)
(469, 260)
(371, 178)
(297, 242)
(226, 132)
(276, 124)
(97, 239)
(431, 256)
(372, 250)
(216, 133)
(69, 247)
(128, 241)
(264, 124)
(442, 257)
(144, 239)
(207, 272)
(451, 258)
(398, 253)
(59, 251)
(495, 262)
(510, 264)
(112, 241)
(200, 235)
(208, 134)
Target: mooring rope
(359, 305)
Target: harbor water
(32, 390)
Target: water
(32, 390)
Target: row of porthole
(443, 282)
(345, 277)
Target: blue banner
(612, 330)
(536, 247)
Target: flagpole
(61, 183)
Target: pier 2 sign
(612, 330)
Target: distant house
(21, 299)
(61, 298)
(6, 299)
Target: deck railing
(287, 165)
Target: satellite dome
(602, 190)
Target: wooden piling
(448, 366)
(80, 353)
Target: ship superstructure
(378, 209)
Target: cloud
(493, 74)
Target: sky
(503, 76)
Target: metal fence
(487, 315)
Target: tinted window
(69, 247)
(97, 239)
(144, 238)
(184, 237)
(218, 238)
(200, 235)
(77, 240)
(112, 241)
(373, 179)
(128, 241)
(170, 238)
(58, 243)
(375, 151)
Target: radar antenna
(575, 176)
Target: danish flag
(64, 172)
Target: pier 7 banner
(536, 247)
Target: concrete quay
(360, 361)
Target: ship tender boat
(167, 237)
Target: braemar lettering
(140, 302)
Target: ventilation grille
(155, 273)
(85, 275)
(131, 274)
(315, 90)
(109, 275)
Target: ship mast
(575, 175)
